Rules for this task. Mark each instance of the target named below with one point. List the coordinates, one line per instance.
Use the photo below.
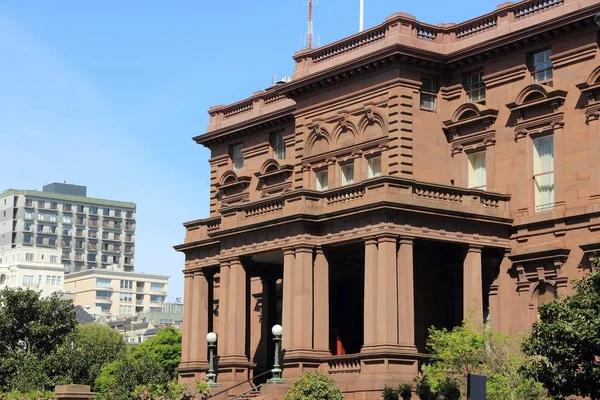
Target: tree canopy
(470, 349)
(565, 343)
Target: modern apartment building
(170, 315)
(37, 269)
(90, 232)
(409, 176)
(117, 293)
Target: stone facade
(407, 176)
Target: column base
(385, 369)
(232, 370)
(298, 361)
(192, 371)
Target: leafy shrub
(404, 391)
(34, 395)
(314, 386)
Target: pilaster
(370, 292)
(321, 302)
(406, 295)
(472, 285)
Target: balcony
(391, 192)
(103, 299)
(157, 290)
(140, 289)
(139, 302)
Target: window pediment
(469, 127)
(590, 89)
(232, 188)
(539, 265)
(535, 97)
(273, 177)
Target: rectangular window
(93, 210)
(28, 214)
(106, 211)
(91, 257)
(322, 180)
(53, 259)
(41, 216)
(475, 86)
(102, 294)
(53, 205)
(41, 204)
(157, 287)
(235, 152)
(278, 145)
(541, 66)
(28, 256)
(28, 203)
(27, 226)
(347, 174)
(29, 281)
(126, 284)
(428, 92)
(543, 172)
(117, 213)
(477, 171)
(79, 209)
(156, 299)
(66, 219)
(102, 282)
(374, 165)
(129, 214)
(66, 207)
(128, 297)
(27, 238)
(104, 308)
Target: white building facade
(38, 269)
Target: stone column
(198, 347)
(303, 299)
(321, 302)
(387, 292)
(287, 321)
(370, 303)
(187, 333)
(233, 362)
(472, 285)
(406, 295)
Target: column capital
(474, 248)
(304, 248)
(370, 240)
(387, 238)
(287, 251)
(319, 250)
(406, 240)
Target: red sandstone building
(409, 176)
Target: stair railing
(249, 380)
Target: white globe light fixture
(211, 337)
(276, 371)
(277, 330)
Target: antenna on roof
(309, 33)
(362, 16)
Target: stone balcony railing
(386, 190)
(444, 39)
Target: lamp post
(211, 338)
(277, 331)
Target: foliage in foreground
(565, 343)
(314, 386)
(35, 395)
(31, 328)
(404, 391)
(476, 350)
(151, 364)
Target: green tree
(31, 328)
(164, 347)
(468, 349)
(314, 386)
(83, 354)
(151, 364)
(565, 343)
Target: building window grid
(541, 66)
(477, 170)
(237, 157)
(347, 174)
(543, 172)
(278, 145)
(428, 92)
(322, 180)
(475, 86)
(374, 166)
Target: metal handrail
(241, 383)
(243, 395)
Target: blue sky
(109, 93)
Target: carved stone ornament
(370, 115)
